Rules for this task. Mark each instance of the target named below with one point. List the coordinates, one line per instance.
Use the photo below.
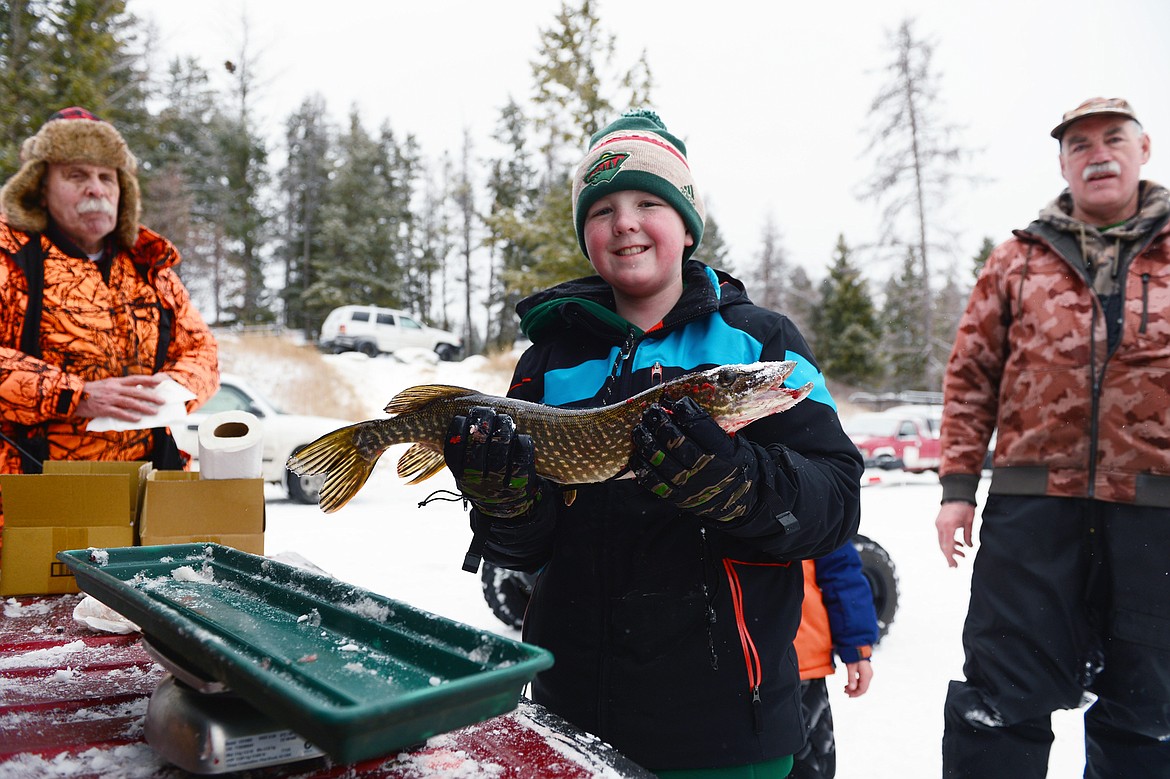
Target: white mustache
(95, 204)
(1112, 167)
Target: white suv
(281, 434)
(374, 330)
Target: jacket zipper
(751, 655)
(1095, 391)
(1145, 302)
(625, 352)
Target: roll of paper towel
(230, 446)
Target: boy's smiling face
(635, 242)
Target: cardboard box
(72, 505)
(180, 508)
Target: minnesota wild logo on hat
(606, 167)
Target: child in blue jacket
(837, 615)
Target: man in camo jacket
(1064, 350)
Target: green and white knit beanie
(636, 152)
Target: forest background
(279, 218)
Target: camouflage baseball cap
(1091, 107)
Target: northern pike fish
(572, 446)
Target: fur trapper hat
(71, 135)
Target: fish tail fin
(345, 465)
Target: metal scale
(201, 726)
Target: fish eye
(726, 377)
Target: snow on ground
(383, 541)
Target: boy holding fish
(670, 600)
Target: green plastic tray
(357, 674)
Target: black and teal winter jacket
(672, 637)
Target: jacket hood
(588, 302)
(1102, 254)
(1153, 207)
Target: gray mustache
(95, 204)
(1101, 167)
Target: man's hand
(951, 517)
(683, 456)
(129, 398)
(494, 467)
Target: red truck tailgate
(72, 703)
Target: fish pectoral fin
(421, 463)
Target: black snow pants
(818, 758)
(1067, 596)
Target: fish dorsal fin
(414, 398)
(420, 462)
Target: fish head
(737, 395)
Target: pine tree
(463, 196)
(949, 304)
(980, 259)
(845, 326)
(713, 250)
(802, 302)
(575, 94)
(772, 270)
(303, 183)
(914, 154)
(903, 329)
(569, 100)
(435, 241)
(399, 176)
(184, 202)
(357, 265)
(60, 53)
(512, 189)
(245, 216)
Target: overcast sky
(772, 98)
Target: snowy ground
(384, 542)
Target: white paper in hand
(174, 408)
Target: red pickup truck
(897, 438)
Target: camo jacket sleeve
(971, 383)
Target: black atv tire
(879, 570)
(507, 593)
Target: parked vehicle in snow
(281, 434)
(373, 330)
(892, 439)
(507, 592)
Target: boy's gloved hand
(682, 455)
(494, 467)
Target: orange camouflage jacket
(92, 329)
(1080, 406)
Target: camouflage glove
(494, 467)
(683, 456)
